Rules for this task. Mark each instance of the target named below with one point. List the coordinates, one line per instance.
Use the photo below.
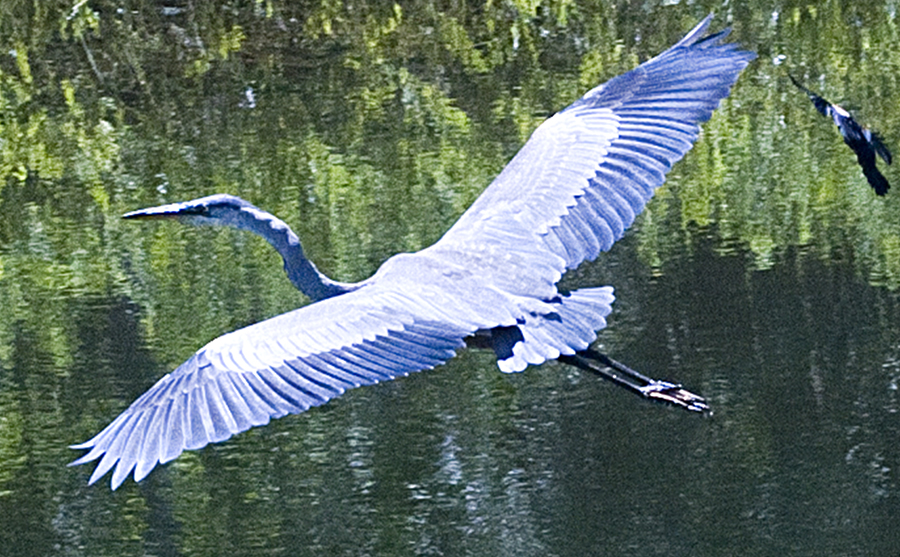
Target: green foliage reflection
(369, 127)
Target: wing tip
(83, 459)
(697, 38)
(697, 33)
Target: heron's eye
(199, 211)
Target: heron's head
(214, 210)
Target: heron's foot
(636, 382)
(674, 394)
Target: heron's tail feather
(571, 327)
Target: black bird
(864, 142)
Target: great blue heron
(864, 142)
(571, 192)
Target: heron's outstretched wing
(280, 366)
(586, 172)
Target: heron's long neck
(300, 270)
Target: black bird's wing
(876, 179)
(878, 145)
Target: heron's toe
(675, 394)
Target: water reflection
(799, 361)
(763, 275)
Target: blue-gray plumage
(571, 192)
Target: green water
(764, 275)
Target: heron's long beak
(169, 211)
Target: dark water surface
(764, 275)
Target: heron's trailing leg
(624, 376)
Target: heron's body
(863, 141)
(571, 192)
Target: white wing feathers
(585, 173)
(281, 366)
